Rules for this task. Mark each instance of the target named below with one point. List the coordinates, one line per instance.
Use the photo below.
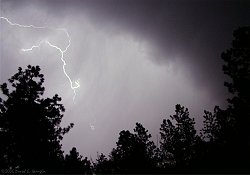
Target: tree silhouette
(103, 165)
(237, 67)
(147, 146)
(134, 152)
(30, 129)
(227, 131)
(218, 128)
(178, 139)
(75, 164)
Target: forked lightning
(62, 51)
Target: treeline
(30, 131)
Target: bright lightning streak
(19, 25)
(64, 64)
(33, 47)
(62, 51)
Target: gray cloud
(135, 59)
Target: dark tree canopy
(134, 152)
(103, 165)
(237, 67)
(30, 129)
(178, 138)
(75, 164)
(228, 130)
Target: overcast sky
(134, 59)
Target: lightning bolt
(62, 51)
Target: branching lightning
(62, 51)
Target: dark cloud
(179, 61)
(197, 30)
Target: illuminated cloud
(135, 59)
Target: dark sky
(134, 59)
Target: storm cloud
(135, 59)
